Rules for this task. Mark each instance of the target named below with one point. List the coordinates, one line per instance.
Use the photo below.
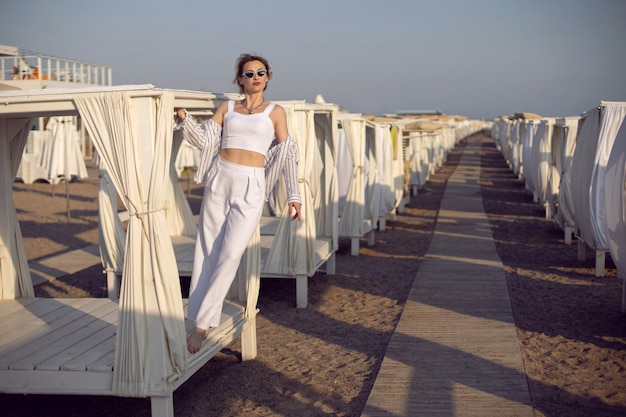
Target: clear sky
(479, 58)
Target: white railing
(39, 67)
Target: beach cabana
(615, 202)
(525, 125)
(424, 151)
(517, 140)
(134, 346)
(529, 129)
(386, 169)
(500, 133)
(450, 135)
(464, 127)
(394, 167)
(563, 146)
(296, 250)
(596, 134)
(404, 167)
(541, 163)
(385, 183)
(358, 198)
(511, 145)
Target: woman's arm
(288, 160)
(279, 118)
(206, 137)
(197, 134)
(290, 175)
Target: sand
(323, 360)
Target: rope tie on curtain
(132, 210)
(140, 214)
(302, 180)
(358, 169)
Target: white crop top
(252, 132)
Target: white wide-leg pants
(230, 212)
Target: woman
(243, 147)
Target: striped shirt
(281, 158)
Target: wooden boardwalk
(455, 351)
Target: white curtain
(554, 173)
(505, 135)
(416, 151)
(384, 157)
(615, 201)
(326, 210)
(412, 158)
(542, 160)
(516, 143)
(503, 130)
(567, 146)
(596, 135)
(133, 137)
(518, 131)
(15, 279)
(612, 118)
(373, 183)
(344, 169)
(292, 252)
(423, 144)
(397, 165)
(180, 220)
(582, 165)
(354, 208)
(111, 233)
(529, 128)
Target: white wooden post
(302, 291)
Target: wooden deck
(67, 345)
(455, 351)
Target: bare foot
(194, 340)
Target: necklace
(251, 110)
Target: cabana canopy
(352, 168)
(565, 131)
(298, 249)
(131, 128)
(596, 135)
(615, 201)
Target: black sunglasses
(250, 74)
